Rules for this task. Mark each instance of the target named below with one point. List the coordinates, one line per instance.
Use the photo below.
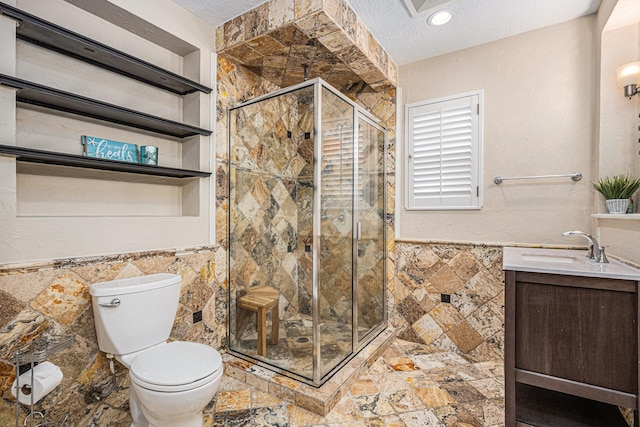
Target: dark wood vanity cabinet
(571, 350)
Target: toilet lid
(176, 363)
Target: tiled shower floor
(409, 385)
(294, 351)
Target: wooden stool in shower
(261, 299)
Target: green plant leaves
(617, 186)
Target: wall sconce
(628, 77)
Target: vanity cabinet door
(578, 328)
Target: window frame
(477, 163)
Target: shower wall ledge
(278, 38)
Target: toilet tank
(136, 313)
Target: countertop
(564, 261)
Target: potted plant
(617, 190)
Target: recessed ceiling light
(440, 17)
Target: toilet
(171, 382)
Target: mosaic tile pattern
(473, 323)
(278, 39)
(409, 385)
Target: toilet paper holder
(36, 383)
(36, 352)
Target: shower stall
(306, 230)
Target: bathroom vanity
(571, 339)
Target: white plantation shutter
(444, 153)
(338, 151)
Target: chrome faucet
(596, 250)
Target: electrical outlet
(445, 298)
(197, 316)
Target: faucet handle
(602, 258)
(591, 252)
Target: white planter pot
(617, 206)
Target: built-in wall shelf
(48, 97)
(623, 217)
(61, 194)
(30, 155)
(48, 35)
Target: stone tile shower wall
(272, 156)
(473, 322)
(279, 42)
(336, 210)
(298, 264)
(278, 37)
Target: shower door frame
(371, 120)
(357, 344)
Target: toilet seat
(176, 366)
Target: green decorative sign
(108, 149)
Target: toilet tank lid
(134, 284)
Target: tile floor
(320, 400)
(409, 385)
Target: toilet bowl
(170, 382)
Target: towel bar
(574, 176)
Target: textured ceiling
(475, 22)
(408, 39)
(217, 12)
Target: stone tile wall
(473, 322)
(40, 300)
(276, 38)
(271, 156)
(230, 93)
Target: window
(443, 153)
(337, 154)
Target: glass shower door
(306, 230)
(335, 253)
(370, 219)
(270, 230)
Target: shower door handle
(358, 230)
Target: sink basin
(560, 259)
(564, 261)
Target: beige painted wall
(48, 213)
(539, 90)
